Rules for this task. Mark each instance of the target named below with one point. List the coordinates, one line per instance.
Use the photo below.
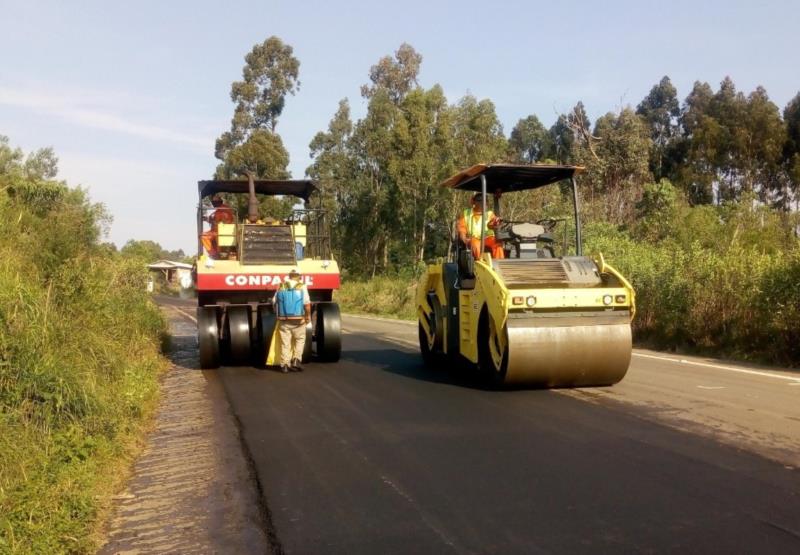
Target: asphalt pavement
(375, 454)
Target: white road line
(381, 319)
(387, 339)
(792, 379)
(183, 313)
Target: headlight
(530, 301)
(607, 299)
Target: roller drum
(568, 353)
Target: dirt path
(192, 490)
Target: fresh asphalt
(376, 454)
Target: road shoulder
(192, 490)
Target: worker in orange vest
(469, 229)
(221, 214)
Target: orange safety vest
(222, 215)
(474, 224)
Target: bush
(79, 365)
(734, 299)
(383, 295)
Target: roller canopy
(301, 188)
(509, 177)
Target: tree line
(379, 174)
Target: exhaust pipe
(252, 204)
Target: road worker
(222, 214)
(293, 309)
(469, 229)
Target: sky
(132, 95)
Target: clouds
(91, 110)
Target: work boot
(296, 365)
(284, 369)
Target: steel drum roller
(552, 353)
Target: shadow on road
(182, 352)
(410, 365)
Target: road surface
(375, 454)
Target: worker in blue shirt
(293, 309)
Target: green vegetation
(696, 202)
(716, 283)
(79, 360)
(252, 145)
(150, 251)
(382, 295)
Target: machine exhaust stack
(252, 203)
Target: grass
(735, 302)
(80, 359)
(384, 296)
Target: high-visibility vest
(222, 215)
(474, 224)
(289, 301)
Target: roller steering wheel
(547, 223)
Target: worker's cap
(294, 272)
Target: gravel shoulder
(192, 489)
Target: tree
(262, 153)
(270, 73)
(529, 140)
(698, 149)
(41, 164)
(478, 133)
(660, 109)
(147, 251)
(381, 174)
(759, 142)
(561, 140)
(396, 75)
(791, 154)
(616, 155)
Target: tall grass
(734, 300)
(382, 295)
(79, 363)
(730, 300)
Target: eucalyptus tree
(661, 109)
(270, 74)
(529, 140)
(791, 154)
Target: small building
(173, 272)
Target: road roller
(537, 314)
(251, 256)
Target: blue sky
(132, 95)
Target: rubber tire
(208, 337)
(239, 333)
(329, 332)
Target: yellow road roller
(251, 256)
(539, 313)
